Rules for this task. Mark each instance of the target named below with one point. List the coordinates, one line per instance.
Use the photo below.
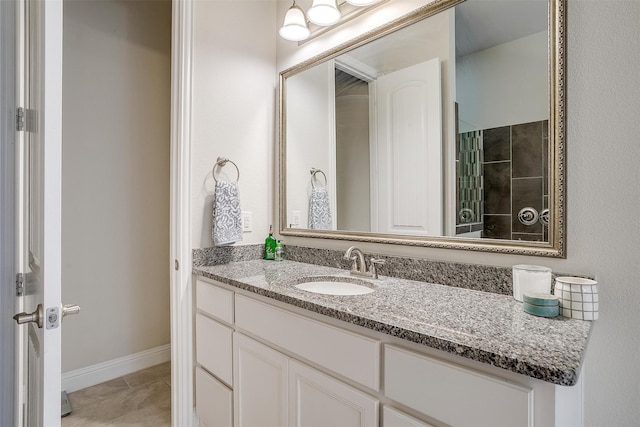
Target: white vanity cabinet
(264, 363)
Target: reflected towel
(227, 216)
(319, 209)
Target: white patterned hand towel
(227, 216)
(319, 209)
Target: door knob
(70, 309)
(37, 317)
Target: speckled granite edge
(564, 372)
(225, 254)
(483, 278)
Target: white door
(39, 242)
(8, 184)
(408, 169)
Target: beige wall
(234, 99)
(115, 179)
(603, 154)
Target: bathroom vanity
(407, 354)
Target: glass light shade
(294, 27)
(361, 2)
(324, 12)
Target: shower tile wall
(515, 176)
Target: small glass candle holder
(530, 279)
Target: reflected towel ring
(313, 173)
(221, 162)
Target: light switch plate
(247, 222)
(295, 219)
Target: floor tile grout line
(152, 379)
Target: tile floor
(139, 399)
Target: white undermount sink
(337, 286)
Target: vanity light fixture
(295, 26)
(324, 12)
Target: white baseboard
(105, 371)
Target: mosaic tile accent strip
(482, 326)
(469, 276)
(469, 174)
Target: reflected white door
(408, 163)
(39, 241)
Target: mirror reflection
(438, 129)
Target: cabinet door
(260, 384)
(317, 400)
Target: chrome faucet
(358, 258)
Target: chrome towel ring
(313, 173)
(221, 162)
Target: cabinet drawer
(214, 404)
(351, 355)
(214, 349)
(455, 395)
(393, 418)
(214, 301)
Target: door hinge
(20, 119)
(26, 120)
(20, 284)
(177, 265)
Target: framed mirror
(444, 128)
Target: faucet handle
(373, 263)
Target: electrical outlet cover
(247, 222)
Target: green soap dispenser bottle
(279, 251)
(270, 245)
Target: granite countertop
(481, 326)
